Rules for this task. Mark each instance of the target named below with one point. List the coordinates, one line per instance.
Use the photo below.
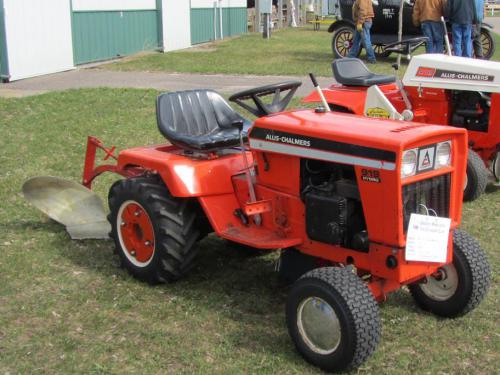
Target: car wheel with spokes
(487, 43)
(342, 41)
(380, 51)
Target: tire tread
(364, 310)
(175, 226)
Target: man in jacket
(427, 14)
(462, 15)
(476, 30)
(362, 14)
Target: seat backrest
(349, 68)
(193, 113)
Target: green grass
(288, 52)
(66, 306)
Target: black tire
(477, 177)
(488, 44)
(174, 224)
(342, 41)
(473, 276)
(339, 291)
(380, 51)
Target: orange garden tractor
(436, 89)
(337, 195)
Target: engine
(471, 110)
(334, 213)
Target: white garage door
(38, 35)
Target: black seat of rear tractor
(352, 72)
(198, 120)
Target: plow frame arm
(91, 171)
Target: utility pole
(257, 16)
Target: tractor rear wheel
(477, 177)
(459, 287)
(155, 234)
(333, 319)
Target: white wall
(225, 3)
(38, 37)
(88, 5)
(176, 24)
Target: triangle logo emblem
(427, 160)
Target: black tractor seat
(353, 72)
(199, 120)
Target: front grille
(432, 194)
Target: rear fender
(350, 101)
(185, 176)
(334, 26)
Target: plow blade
(79, 209)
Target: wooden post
(280, 14)
(267, 26)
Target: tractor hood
(453, 73)
(343, 138)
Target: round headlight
(409, 164)
(443, 155)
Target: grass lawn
(66, 306)
(288, 52)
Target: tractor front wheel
(333, 319)
(155, 234)
(459, 287)
(476, 179)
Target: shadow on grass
(227, 282)
(492, 188)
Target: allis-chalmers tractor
(335, 193)
(436, 89)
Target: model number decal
(370, 175)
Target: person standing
(427, 14)
(476, 30)
(462, 15)
(362, 14)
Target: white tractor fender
(378, 106)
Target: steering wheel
(407, 46)
(259, 108)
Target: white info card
(427, 238)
